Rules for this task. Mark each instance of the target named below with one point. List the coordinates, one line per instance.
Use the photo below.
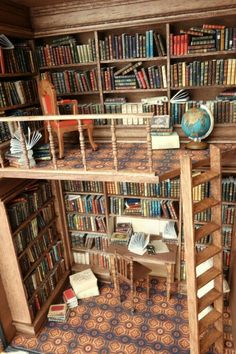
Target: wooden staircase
(204, 267)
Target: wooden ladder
(204, 269)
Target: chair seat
(140, 271)
(66, 123)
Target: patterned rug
(100, 325)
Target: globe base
(196, 145)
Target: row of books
(98, 259)
(166, 189)
(228, 213)
(203, 40)
(47, 264)
(60, 312)
(28, 202)
(201, 191)
(63, 54)
(144, 78)
(71, 81)
(86, 223)
(45, 290)
(5, 133)
(91, 204)
(18, 92)
(144, 207)
(126, 46)
(229, 189)
(203, 73)
(83, 186)
(223, 111)
(17, 60)
(227, 233)
(85, 240)
(34, 253)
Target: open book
(180, 96)
(5, 43)
(139, 242)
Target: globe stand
(196, 145)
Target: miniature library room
(117, 176)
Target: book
(161, 142)
(93, 291)
(70, 298)
(138, 243)
(181, 96)
(160, 246)
(5, 43)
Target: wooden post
(82, 144)
(114, 143)
(23, 146)
(52, 146)
(149, 145)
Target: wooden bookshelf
(32, 251)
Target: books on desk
(162, 142)
(138, 243)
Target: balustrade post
(149, 145)
(52, 146)
(82, 144)
(114, 143)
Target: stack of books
(84, 284)
(58, 313)
(70, 298)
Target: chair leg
(132, 297)
(60, 137)
(148, 287)
(90, 136)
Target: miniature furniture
(49, 105)
(129, 271)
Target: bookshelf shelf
(144, 217)
(88, 231)
(141, 197)
(3, 76)
(113, 61)
(68, 66)
(19, 106)
(136, 90)
(84, 214)
(208, 54)
(201, 87)
(83, 193)
(78, 93)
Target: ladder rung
(208, 299)
(204, 204)
(210, 338)
(208, 320)
(206, 277)
(204, 177)
(206, 253)
(205, 230)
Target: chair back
(124, 267)
(47, 97)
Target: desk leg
(113, 273)
(170, 269)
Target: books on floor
(58, 313)
(84, 284)
(70, 298)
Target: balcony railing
(83, 165)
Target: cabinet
(34, 263)
(93, 210)
(126, 69)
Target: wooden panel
(5, 315)
(15, 20)
(69, 17)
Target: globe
(197, 124)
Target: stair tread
(210, 338)
(208, 299)
(205, 230)
(204, 204)
(206, 253)
(206, 277)
(204, 177)
(209, 320)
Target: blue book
(151, 43)
(147, 44)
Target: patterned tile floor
(101, 325)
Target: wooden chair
(129, 271)
(49, 105)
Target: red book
(140, 75)
(2, 64)
(68, 295)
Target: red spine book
(141, 77)
(2, 64)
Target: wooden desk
(167, 259)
